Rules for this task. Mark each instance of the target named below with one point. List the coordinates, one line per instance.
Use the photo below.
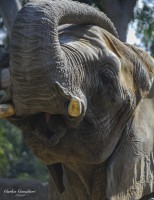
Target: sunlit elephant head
(80, 95)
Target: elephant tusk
(6, 110)
(75, 107)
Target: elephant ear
(143, 72)
(149, 62)
(130, 170)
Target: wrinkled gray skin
(108, 151)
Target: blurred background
(134, 21)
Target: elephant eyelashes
(108, 78)
(105, 79)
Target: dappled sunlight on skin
(81, 104)
(110, 112)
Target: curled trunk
(36, 55)
(9, 10)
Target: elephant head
(79, 95)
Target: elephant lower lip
(53, 138)
(47, 117)
(49, 134)
(55, 128)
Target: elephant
(83, 100)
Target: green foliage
(7, 151)
(144, 18)
(16, 159)
(23, 2)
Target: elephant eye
(107, 75)
(109, 78)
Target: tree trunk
(8, 10)
(120, 12)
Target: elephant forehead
(88, 40)
(99, 47)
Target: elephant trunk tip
(6, 110)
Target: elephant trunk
(37, 62)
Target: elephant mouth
(56, 128)
(57, 125)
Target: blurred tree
(8, 11)
(16, 159)
(9, 147)
(144, 22)
(119, 11)
(5, 147)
